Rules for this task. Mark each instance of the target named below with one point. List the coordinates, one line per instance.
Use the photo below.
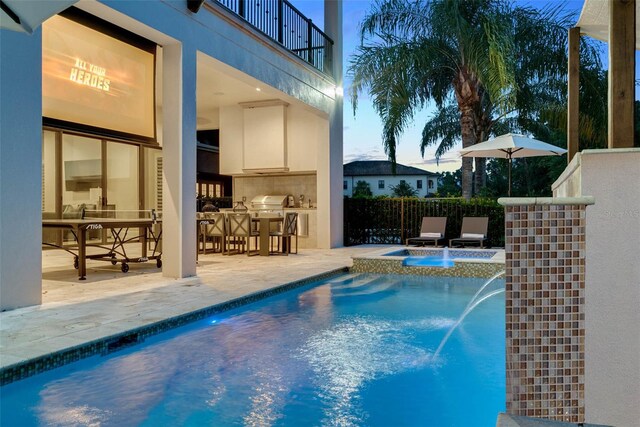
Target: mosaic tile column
(545, 268)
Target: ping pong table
(115, 251)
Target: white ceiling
(219, 85)
(594, 20)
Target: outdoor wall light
(194, 5)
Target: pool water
(354, 350)
(428, 261)
(482, 254)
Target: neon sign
(88, 74)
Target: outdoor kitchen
(275, 195)
(271, 148)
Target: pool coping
(106, 345)
(379, 262)
(498, 257)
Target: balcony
(282, 22)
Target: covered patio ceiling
(594, 20)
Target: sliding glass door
(152, 179)
(122, 178)
(86, 173)
(82, 180)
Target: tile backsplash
(294, 184)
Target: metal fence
(391, 221)
(282, 22)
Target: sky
(362, 131)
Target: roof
(381, 167)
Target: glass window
(381, 184)
(419, 183)
(345, 185)
(430, 183)
(49, 190)
(210, 138)
(122, 177)
(81, 179)
(81, 173)
(153, 179)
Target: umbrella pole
(509, 174)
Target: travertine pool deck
(109, 302)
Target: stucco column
(330, 194)
(20, 169)
(179, 161)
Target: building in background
(381, 179)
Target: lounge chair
(474, 230)
(431, 231)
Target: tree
(362, 189)
(449, 184)
(404, 189)
(478, 61)
(534, 176)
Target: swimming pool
(353, 350)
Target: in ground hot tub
(432, 262)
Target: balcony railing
(282, 22)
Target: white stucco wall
(20, 169)
(612, 281)
(179, 161)
(330, 200)
(391, 181)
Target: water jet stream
(473, 303)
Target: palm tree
(468, 57)
(403, 189)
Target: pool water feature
(443, 260)
(475, 300)
(353, 350)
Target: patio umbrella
(27, 15)
(511, 146)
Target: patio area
(109, 302)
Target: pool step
(366, 286)
(346, 280)
(352, 281)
